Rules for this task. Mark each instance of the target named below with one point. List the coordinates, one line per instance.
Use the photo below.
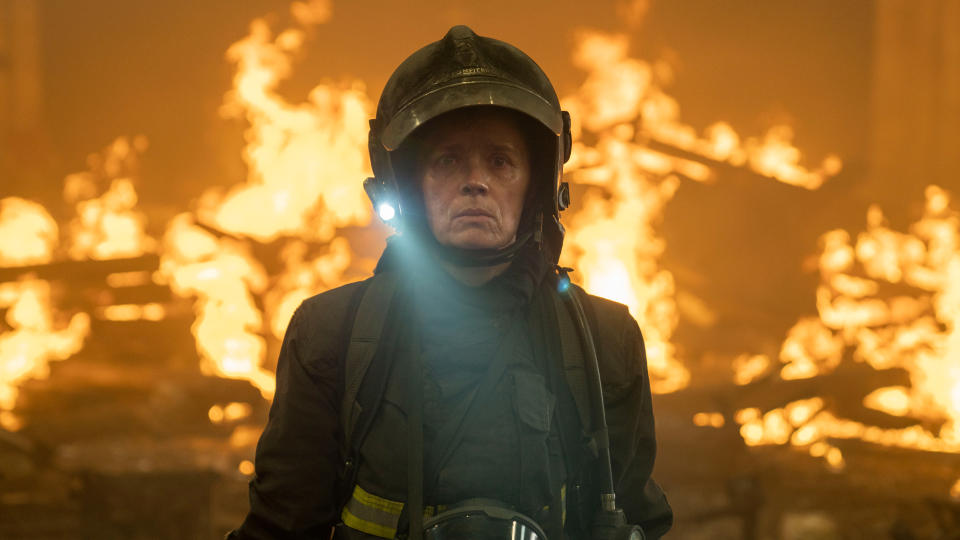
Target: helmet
(466, 70)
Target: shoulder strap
(573, 360)
(368, 323)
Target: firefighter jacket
(509, 449)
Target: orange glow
(224, 277)
(134, 312)
(10, 421)
(776, 157)
(231, 412)
(893, 400)
(245, 436)
(108, 226)
(711, 419)
(34, 341)
(799, 412)
(917, 332)
(303, 277)
(835, 459)
(28, 235)
(305, 161)
(612, 238)
(747, 368)
(129, 279)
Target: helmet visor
(467, 94)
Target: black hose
(598, 414)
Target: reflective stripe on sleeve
(375, 515)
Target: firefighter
(453, 385)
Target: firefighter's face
(474, 170)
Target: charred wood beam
(926, 462)
(85, 271)
(843, 391)
(724, 166)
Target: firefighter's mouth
(474, 213)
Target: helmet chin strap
(475, 258)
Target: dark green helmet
(466, 70)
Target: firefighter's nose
(476, 181)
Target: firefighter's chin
(475, 233)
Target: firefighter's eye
(500, 161)
(446, 160)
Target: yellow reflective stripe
(563, 504)
(368, 527)
(377, 503)
(375, 515)
(371, 514)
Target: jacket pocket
(534, 401)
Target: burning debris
(28, 234)
(32, 341)
(108, 226)
(888, 300)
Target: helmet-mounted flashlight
(384, 199)
(386, 211)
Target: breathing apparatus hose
(611, 522)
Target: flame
(893, 400)
(776, 157)
(893, 298)
(305, 160)
(108, 226)
(28, 235)
(303, 277)
(748, 368)
(224, 277)
(612, 236)
(34, 339)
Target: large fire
(886, 298)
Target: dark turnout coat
(295, 492)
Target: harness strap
(573, 360)
(414, 397)
(364, 339)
